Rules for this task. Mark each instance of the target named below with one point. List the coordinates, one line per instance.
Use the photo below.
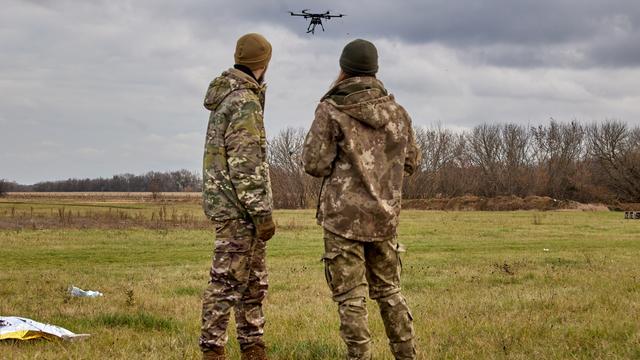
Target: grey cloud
(94, 88)
(499, 32)
(545, 26)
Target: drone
(316, 19)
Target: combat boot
(215, 353)
(255, 352)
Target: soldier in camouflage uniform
(237, 198)
(362, 143)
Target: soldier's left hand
(265, 227)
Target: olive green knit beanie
(253, 51)
(359, 57)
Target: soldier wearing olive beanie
(359, 57)
(361, 143)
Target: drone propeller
(328, 15)
(303, 14)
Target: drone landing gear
(312, 25)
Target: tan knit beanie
(253, 51)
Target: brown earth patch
(124, 197)
(499, 203)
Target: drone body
(316, 19)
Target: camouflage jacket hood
(363, 98)
(230, 81)
(236, 182)
(362, 143)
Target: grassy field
(481, 284)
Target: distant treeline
(568, 161)
(182, 180)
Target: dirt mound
(626, 207)
(499, 203)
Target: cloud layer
(105, 87)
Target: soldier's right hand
(265, 227)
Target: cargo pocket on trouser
(344, 267)
(328, 258)
(232, 252)
(398, 249)
(345, 274)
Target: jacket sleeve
(245, 145)
(320, 146)
(413, 153)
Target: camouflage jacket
(362, 143)
(236, 182)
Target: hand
(265, 227)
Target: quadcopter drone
(316, 19)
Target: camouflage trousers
(239, 281)
(350, 268)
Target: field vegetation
(482, 285)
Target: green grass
(479, 284)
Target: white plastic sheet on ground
(12, 327)
(76, 291)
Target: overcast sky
(96, 88)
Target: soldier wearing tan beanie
(253, 51)
(237, 199)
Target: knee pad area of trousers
(397, 318)
(357, 303)
(392, 301)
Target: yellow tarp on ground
(13, 327)
(25, 335)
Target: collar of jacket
(245, 80)
(352, 85)
(246, 70)
(249, 82)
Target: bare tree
(3, 187)
(485, 151)
(615, 151)
(516, 157)
(438, 148)
(558, 147)
(155, 186)
(292, 187)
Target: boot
(255, 352)
(215, 353)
